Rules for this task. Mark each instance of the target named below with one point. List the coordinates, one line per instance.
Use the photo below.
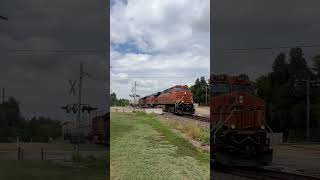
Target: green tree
(285, 97)
(297, 64)
(280, 69)
(118, 102)
(200, 90)
(316, 64)
(12, 124)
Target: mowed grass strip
(142, 147)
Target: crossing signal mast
(78, 107)
(134, 95)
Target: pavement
(202, 111)
(298, 158)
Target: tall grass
(191, 130)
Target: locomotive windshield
(179, 89)
(242, 88)
(226, 88)
(220, 88)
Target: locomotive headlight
(233, 126)
(240, 99)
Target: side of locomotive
(239, 136)
(177, 99)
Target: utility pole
(79, 94)
(308, 82)
(3, 95)
(206, 87)
(135, 92)
(308, 110)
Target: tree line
(200, 91)
(13, 125)
(284, 90)
(118, 102)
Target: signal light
(88, 109)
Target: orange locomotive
(239, 134)
(177, 99)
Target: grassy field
(88, 167)
(144, 148)
(39, 170)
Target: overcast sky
(158, 44)
(39, 80)
(263, 23)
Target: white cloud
(172, 38)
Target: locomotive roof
(223, 78)
(158, 93)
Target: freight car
(239, 128)
(177, 99)
(96, 130)
(100, 129)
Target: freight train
(95, 130)
(239, 127)
(177, 99)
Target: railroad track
(264, 174)
(193, 117)
(196, 117)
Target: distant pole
(308, 110)
(206, 96)
(79, 94)
(79, 110)
(135, 92)
(3, 95)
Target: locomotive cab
(239, 134)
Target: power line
(142, 77)
(58, 51)
(243, 50)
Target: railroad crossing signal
(72, 87)
(4, 17)
(88, 109)
(74, 108)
